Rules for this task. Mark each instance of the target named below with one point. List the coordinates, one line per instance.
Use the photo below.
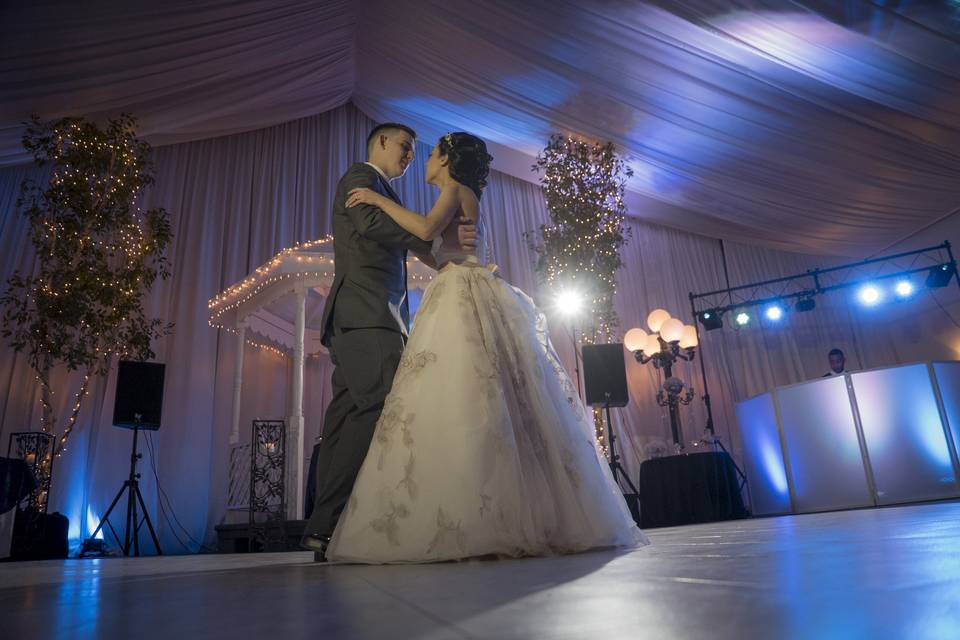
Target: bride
(483, 447)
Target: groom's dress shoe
(316, 543)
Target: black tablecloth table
(689, 488)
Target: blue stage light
(904, 289)
(774, 312)
(869, 295)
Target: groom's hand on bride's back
(467, 233)
(461, 232)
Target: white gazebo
(268, 308)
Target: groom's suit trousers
(366, 361)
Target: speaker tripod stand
(615, 467)
(132, 527)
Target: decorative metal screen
(267, 506)
(33, 447)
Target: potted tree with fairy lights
(96, 255)
(578, 252)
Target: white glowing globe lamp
(671, 330)
(652, 345)
(635, 339)
(656, 319)
(689, 338)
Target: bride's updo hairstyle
(469, 162)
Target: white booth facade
(868, 438)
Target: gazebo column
(237, 384)
(294, 452)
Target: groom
(365, 320)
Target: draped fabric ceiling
(817, 127)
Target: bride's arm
(425, 227)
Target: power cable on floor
(169, 507)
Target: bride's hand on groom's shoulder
(363, 195)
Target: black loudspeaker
(605, 375)
(39, 536)
(139, 395)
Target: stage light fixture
(939, 276)
(869, 295)
(774, 313)
(904, 289)
(710, 319)
(94, 547)
(742, 318)
(805, 304)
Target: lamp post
(670, 340)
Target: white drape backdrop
(237, 200)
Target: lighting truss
(814, 282)
(804, 287)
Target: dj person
(837, 363)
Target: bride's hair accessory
(469, 162)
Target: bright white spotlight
(869, 295)
(569, 303)
(904, 288)
(774, 312)
(742, 318)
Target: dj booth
(869, 438)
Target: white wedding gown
(483, 446)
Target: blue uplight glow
(903, 432)
(930, 436)
(773, 468)
(93, 519)
(774, 313)
(763, 456)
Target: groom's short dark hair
(387, 128)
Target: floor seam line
(421, 610)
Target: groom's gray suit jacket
(370, 250)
